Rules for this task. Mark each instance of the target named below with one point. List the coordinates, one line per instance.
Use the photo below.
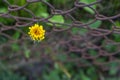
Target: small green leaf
(2, 39)
(15, 46)
(81, 31)
(19, 2)
(16, 35)
(3, 10)
(116, 37)
(87, 8)
(83, 76)
(61, 57)
(22, 2)
(27, 53)
(117, 24)
(56, 66)
(92, 52)
(113, 68)
(101, 59)
(110, 47)
(96, 24)
(52, 76)
(39, 9)
(41, 12)
(57, 19)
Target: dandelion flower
(37, 32)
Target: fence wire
(87, 46)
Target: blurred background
(80, 43)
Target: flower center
(36, 32)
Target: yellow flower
(37, 32)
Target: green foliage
(3, 10)
(6, 74)
(87, 8)
(117, 24)
(39, 9)
(27, 53)
(110, 47)
(57, 19)
(80, 31)
(18, 2)
(7, 21)
(52, 76)
(15, 47)
(16, 35)
(83, 76)
(113, 68)
(62, 57)
(83, 31)
(10, 76)
(93, 71)
(96, 24)
(116, 37)
(92, 52)
(2, 39)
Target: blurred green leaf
(15, 47)
(56, 65)
(57, 19)
(96, 24)
(83, 76)
(113, 68)
(116, 37)
(27, 53)
(92, 52)
(7, 74)
(81, 31)
(22, 2)
(93, 71)
(62, 57)
(110, 47)
(101, 59)
(41, 10)
(18, 2)
(3, 10)
(2, 39)
(7, 21)
(16, 35)
(117, 24)
(87, 8)
(59, 2)
(52, 76)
